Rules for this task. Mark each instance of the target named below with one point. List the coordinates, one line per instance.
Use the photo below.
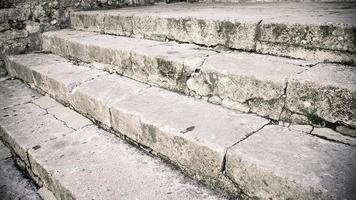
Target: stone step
(83, 162)
(278, 88)
(214, 145)
(312, 31)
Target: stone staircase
(214, 89)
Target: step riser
(326, 43)
(229, 33)
(266, 97)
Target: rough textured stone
(292, 165)
(13, 184)
(91, 163)
(75, 120)
(146, 115)
(95, 97)
(91, 154)
(346, 130)
(46, 194)
(333, 136)
(167, 65)
(244, 81)
(22, 21)
(332, 99)
(30, 128)
(302, 128)
(52, 74)
(164, 22)
(8, 88)
(45, 102)
(255, 81)
(185, 132)
(317, 31)
(118, 101)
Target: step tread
(163, 121)
(287, 12)
(86, 163)
(237, 80)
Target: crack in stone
(212, 47)
(308, 67)
(75, 86)
(327, 138)
(111, 118)
(223, 164)
(55, 117)
(257, 35)
(285, 89)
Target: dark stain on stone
(166, 69)
(228, 30)
(172, 52)
(150, 131)
(36, 147)
(315, 119)
(190, 128)
(278, 30)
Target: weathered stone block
(332, 99)
(256, 81)
(72, 164)
(95, 98)
(52, 74)
(234, 33)
(185, 132)
(166, 65)
(327, 36)
(292, 165)
(317, 31)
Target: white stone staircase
(245, 123)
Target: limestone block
(332, 99)
(292, 165)
(186, 133)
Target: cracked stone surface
(255, 81)
(275, 87)
(75, 120)
(167, 65)
(84, 163)
(292, 165)
(51, 73)
(333, 98)
(333, 135)
(183, 130)
(306, 30)
(13, 184)
(96, 97)
(117, 102)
